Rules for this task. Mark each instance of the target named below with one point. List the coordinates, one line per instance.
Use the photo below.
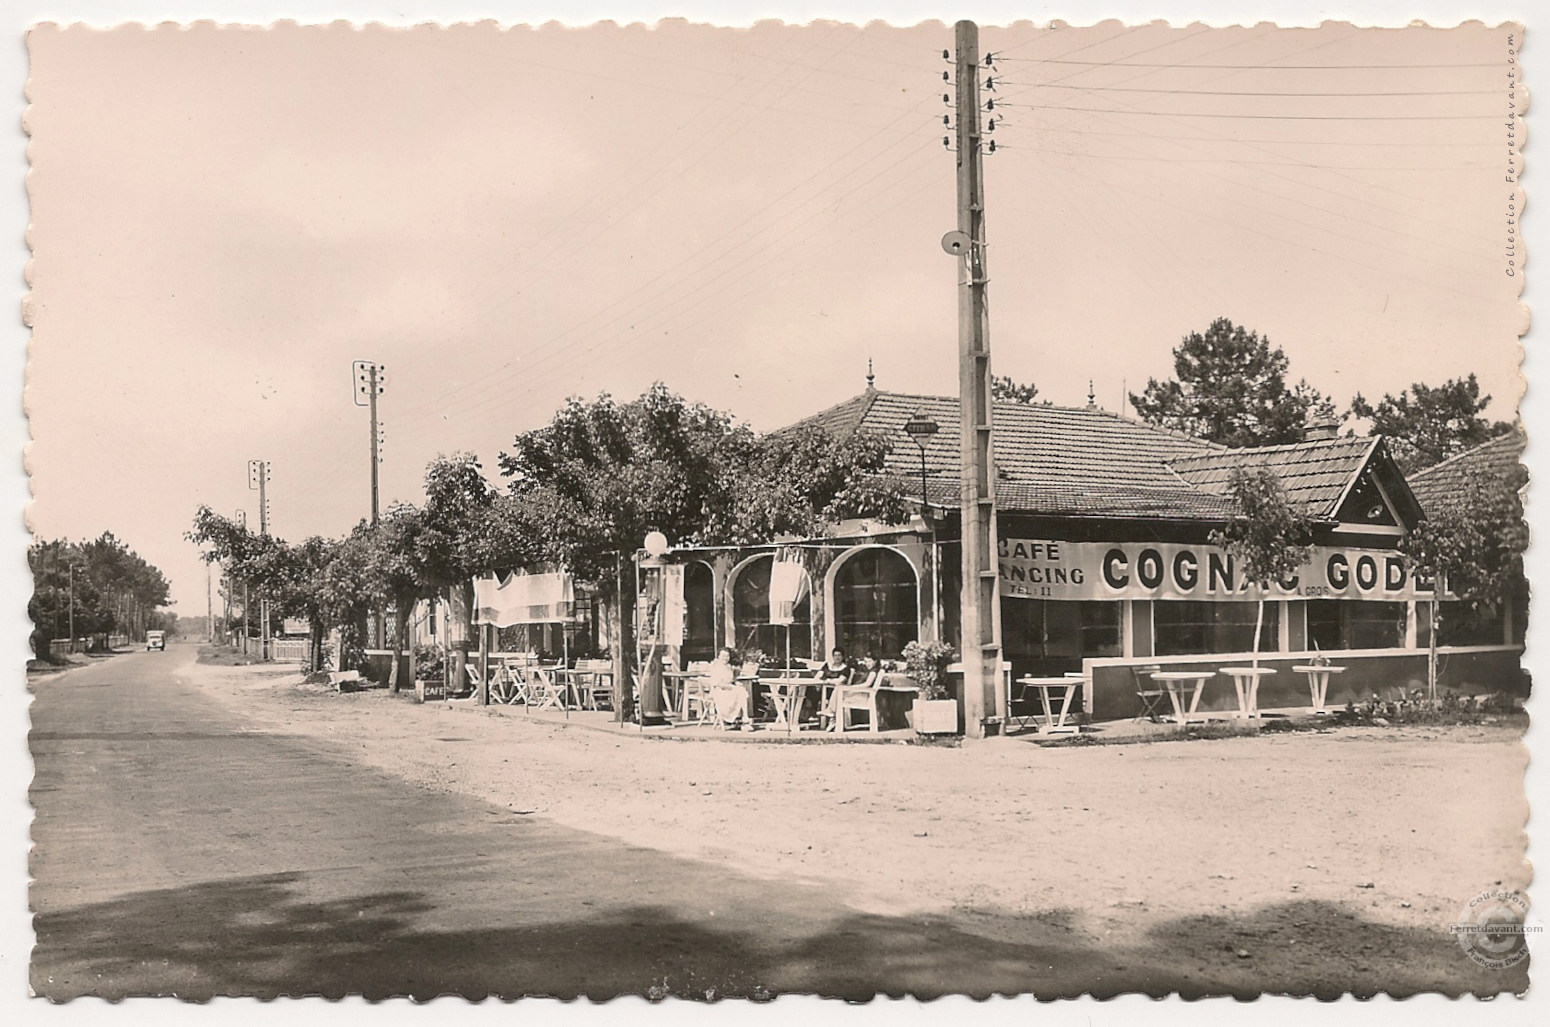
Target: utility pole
(371, 382)
(242, 519)
(72, 607)
(209, 607)
(258, 477)
(983, 698)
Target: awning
(788, 587)
(524, 599)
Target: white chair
(696, 704)
(546, 692)
(860, 698)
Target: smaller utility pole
(72, 607)
(371, 382)
(258, 477)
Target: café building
(1105, 566)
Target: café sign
(1037, 569)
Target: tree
(1471, 542)
(1230, 387)
(587, 488)
(1268, 536)
(103, 586)
(291, 577)
(1002, 387)
(796, 482)
(1427, 424)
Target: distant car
(155, 640)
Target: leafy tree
(1426, 424)
(1268, 536)
(1230, 387)
(1472, 541)
(796, 482)
(104, 584)
(1002, 387)
(395, 567)
(290, 577)
(587, 488)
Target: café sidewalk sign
(1038, 569)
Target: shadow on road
(256, 937)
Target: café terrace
(1105, 570)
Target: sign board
(1039, 569)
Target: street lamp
(922, 429)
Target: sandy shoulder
(1400, 827)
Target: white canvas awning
(788, 587)
(524, 599)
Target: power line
(1236, 92)
(1233, 139)
(1246, 163)
(1261, 117)
(1250, 67)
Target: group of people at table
(723, 693)
(719, 692)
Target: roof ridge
(1362, 441)
(1517, 434)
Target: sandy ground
(1393, 827)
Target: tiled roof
(1499, 458)
(1314, 474)
(1050, 459)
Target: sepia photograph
(712, 510)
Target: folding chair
(514, 685)
(698, 705)
(545, 690)
(600, 686)
(1021, 709)
(473, 676)
(1150, 693)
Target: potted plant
(935, 711)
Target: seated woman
(837, 669)
(839, 672)
(730, 697)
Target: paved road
(180, 852)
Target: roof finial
(871, 379)
(1092, 397)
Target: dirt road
(210, 831)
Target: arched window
(875, 604)
(699, 612)
(751, 616)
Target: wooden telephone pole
(258, 477)
(371, 382)
(983, 697)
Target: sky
(224, 219)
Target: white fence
(293, 650)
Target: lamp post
(922, 430)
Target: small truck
(156, 640)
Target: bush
(430, 663)
(927, 666)
(1415, 708)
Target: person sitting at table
(731, 698)
(837, 670)
(860, 671)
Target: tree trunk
(621, 631)
(1431, 651)
(315, 629)
(460, 603)
(400, 627)
(1259, 622)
